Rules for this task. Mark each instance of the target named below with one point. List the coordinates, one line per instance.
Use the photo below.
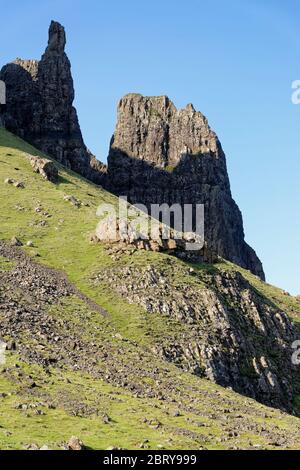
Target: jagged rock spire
(40, 106)
(57, 38)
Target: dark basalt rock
(233, 335)
(159, 155)
(39, 106)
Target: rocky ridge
(230, 334)
(157, 237)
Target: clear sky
(234, 60)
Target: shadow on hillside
(196, 179)
(131, 174)
(63, 180)
(273, 342)
(145, 183)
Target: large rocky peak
(160, 154)
(39, 107)
(152, 129)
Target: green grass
(132, 420)
(276, 296)
(170, 168)
(55, 426)
(5, 264)
(63, 243)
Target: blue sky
(234, 60)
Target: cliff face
(159, 155)
(39, 107)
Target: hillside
(90, 356)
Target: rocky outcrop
(228, 332)
(157, 238)
(39, 106)
(159, 155)
(46, 168)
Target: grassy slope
(63, 244)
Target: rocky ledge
(157, 237)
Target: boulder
(16, 242)
(73, 200)
(75, 444)
(19, 184)
(46, 168)
(9, 181)
(16, 184)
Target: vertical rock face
(39, 107)
(159, 155)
